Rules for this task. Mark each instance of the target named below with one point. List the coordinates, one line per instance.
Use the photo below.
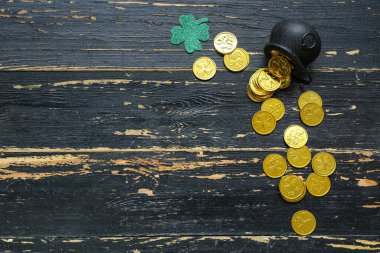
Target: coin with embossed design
(291, 187)
(225, 42)
(263, 122)
(279, 66)
(274, 165)
(275, 107)
(299, 157)
(295, 136)
(323, 164)
(318, 185)
(309, 97)
(236, 61)
(303, 222)
(312, 114)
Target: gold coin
(254, 97)
(275, 107)
(285, 82)
(225, 42)
(255, 86)
(299, 157)
(295, 136)
(323, 164)
(274, 165)
(312, 114)
(291, 187)
(237, 60)
(303, 222)
(267, 81)
(318, 185)
(299, 198)
(263, 122)
(204, 68)
(247, 56)
(309, 97)
(279, 66)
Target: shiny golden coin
(303, 222)
(279, 66)
(295, 136)
(299, 157)
(204, 68)
(285, 82)
(267, 81)
(323, 164)
(236, 61)
(256, 98)
(275, 107)
(255, 86)
(263, 122)
(291, 187)
(318, 185)
(225, 42)
(309, 97)
(312, 114)
(274, 165)
(299, 198)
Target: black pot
(297, 40)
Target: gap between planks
(366, 152)
(132, 69)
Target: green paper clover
(190, 32)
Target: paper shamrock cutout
(191, 32)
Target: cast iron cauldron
(299, 41)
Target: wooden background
(109, 143)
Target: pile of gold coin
(235, 59)
(264, 121)
(310, 104)
(293, 188)
(265, 81)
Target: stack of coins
(310, 104)
(235, 59)
(265, 81)
(264, 121)
(292, 188)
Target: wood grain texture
(109, 144)
(135, 34)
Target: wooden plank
(183, 193)
(141, 110)
(175, 244)
(135, 34)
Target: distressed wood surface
(109, 144)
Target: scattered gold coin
(309, 97)
(299, 157)
(225, 43)
(312, 114)
(236, 61)
(204, 68)
(323, 164)
(318, 185)
(275, 107)
(295, 136)
(274, 165)
(292, 188)
(303, 222)
(263, 122)
(279, 66)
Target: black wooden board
(109, 144)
